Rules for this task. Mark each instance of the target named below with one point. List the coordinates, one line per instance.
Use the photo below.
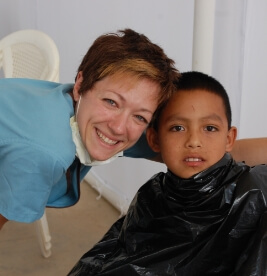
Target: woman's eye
(110, 102)
(141, 119)
(211, 128)
(177, 128)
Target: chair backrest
(29, 54)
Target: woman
(51, 134)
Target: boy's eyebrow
(212, 116)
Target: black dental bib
(207, 195)
(210, 224)
(182, 211)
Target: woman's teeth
(106, 139)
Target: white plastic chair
(31, 54)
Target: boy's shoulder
(255, 179)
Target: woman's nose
(118, 123)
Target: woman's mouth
(106, 139)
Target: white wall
(240, 60)
(254, 82)
(239, 56)
(74, 24)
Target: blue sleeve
(27, 175)
(140, 150)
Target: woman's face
(114, 113)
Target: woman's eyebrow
(120, 96)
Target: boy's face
(192, 133)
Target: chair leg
(43, 236)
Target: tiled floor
(74, 231)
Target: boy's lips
(193, 159)
(105, 139)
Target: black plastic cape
(214, 223)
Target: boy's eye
(177, 128)
(211, 128)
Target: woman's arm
(253, 151)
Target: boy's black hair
(196, 80)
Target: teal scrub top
(38, 167)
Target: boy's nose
(193, 141)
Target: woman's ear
(152, 139)
(231, 137)
(77, 86)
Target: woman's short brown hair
(128, 52)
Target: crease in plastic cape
(214, 223)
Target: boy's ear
(231, 137)
(77, 86)
(152, 138)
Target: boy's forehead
(186, 96)
(192, 100)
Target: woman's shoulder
(34, 115)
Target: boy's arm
(3, 220)
(252, 151)
(255, 262)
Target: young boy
(206, 215)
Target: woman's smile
(105, 138)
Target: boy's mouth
(193, 159)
